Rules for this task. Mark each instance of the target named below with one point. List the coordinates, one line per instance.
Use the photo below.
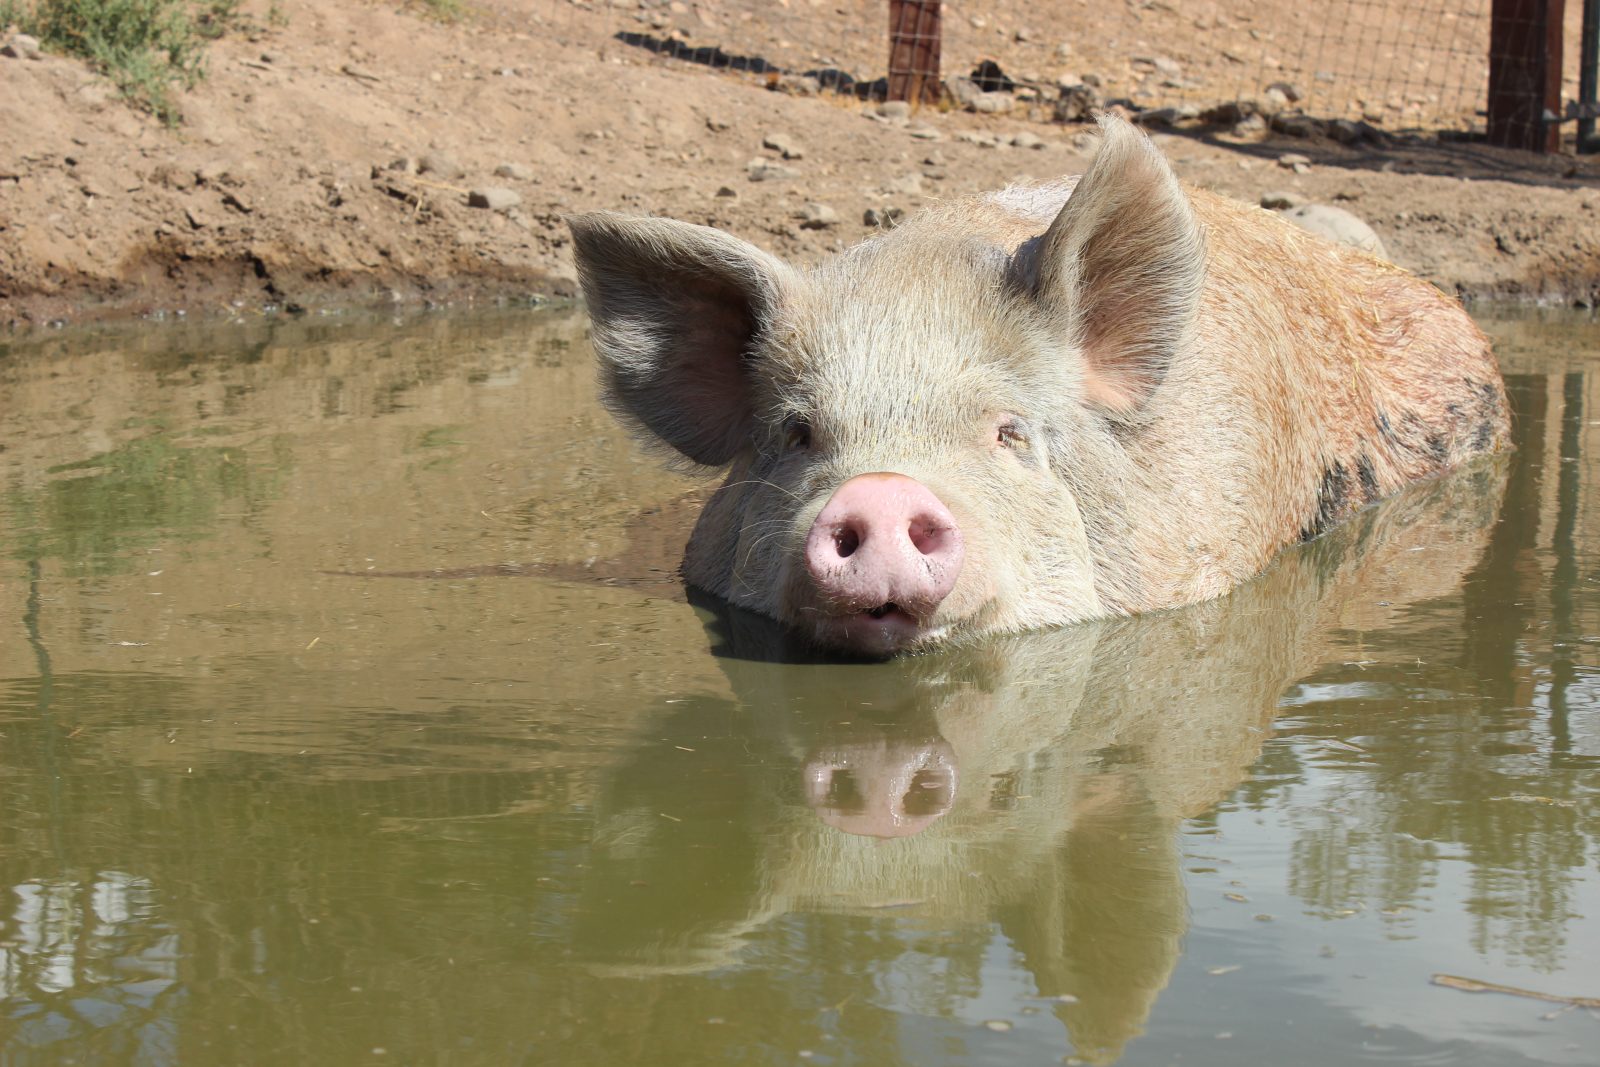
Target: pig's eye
(798, 437)
(1011, 434)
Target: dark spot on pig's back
(1332, 495)
(1368, 478)
(1482, 436)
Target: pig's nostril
(930, 793)
(930, 536)
(846, 540)
(844, 792)
(883, 609)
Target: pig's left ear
(1121, 268)
(677, 311)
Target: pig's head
(922, 431)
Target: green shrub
(146, 47)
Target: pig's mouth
(880, 631)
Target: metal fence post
(1588, 75)
(914, 40)
(1525, 74)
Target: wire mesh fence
(1395, 64)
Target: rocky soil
(350, 153)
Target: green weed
(148, 48)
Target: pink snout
(884, 545)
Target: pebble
(905, 185)
(885, 217)
(1251, 127)
(783, 144)
(493, 197)
(440, 165)
(1025, 139)
(1077, 103)
(995, 103)
(925, 133)
(815, 216)
(515, 171)
(895, 110)
(717, 123)
(767, 170)
(727, 190)
(21, 46)
(798, 85)
(1278, 201)
(1293, 160)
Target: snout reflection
(882, 788)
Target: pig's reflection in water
(1036, 781)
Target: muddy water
(349, 713)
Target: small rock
(1250, 128)
(1337, 225)
(895, 110)
(94, 96)
(441, 166)
(925, 133)
(716, 123)
(886, 218)
(1290, 91)
(905, 185)
(784, 145)
(963, 90)
(995, 103)
(1027, 139)
(21, 46)
(1344, 131)
(797, 85)
(493, 197)
(1302, 126)
(815, 216)
(1159, 116)
(1277, 201)
(767, 170)
(515, 171)
(402, 165)
(1273, 101)
(1077, 103)
(1293, 159)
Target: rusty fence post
(1589, 77)
(1525, 74)
(914, 50)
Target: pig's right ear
(677, 310)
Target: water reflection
(347, 703)
(1034, 783)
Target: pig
(1101, 396)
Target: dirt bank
(330, 156)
